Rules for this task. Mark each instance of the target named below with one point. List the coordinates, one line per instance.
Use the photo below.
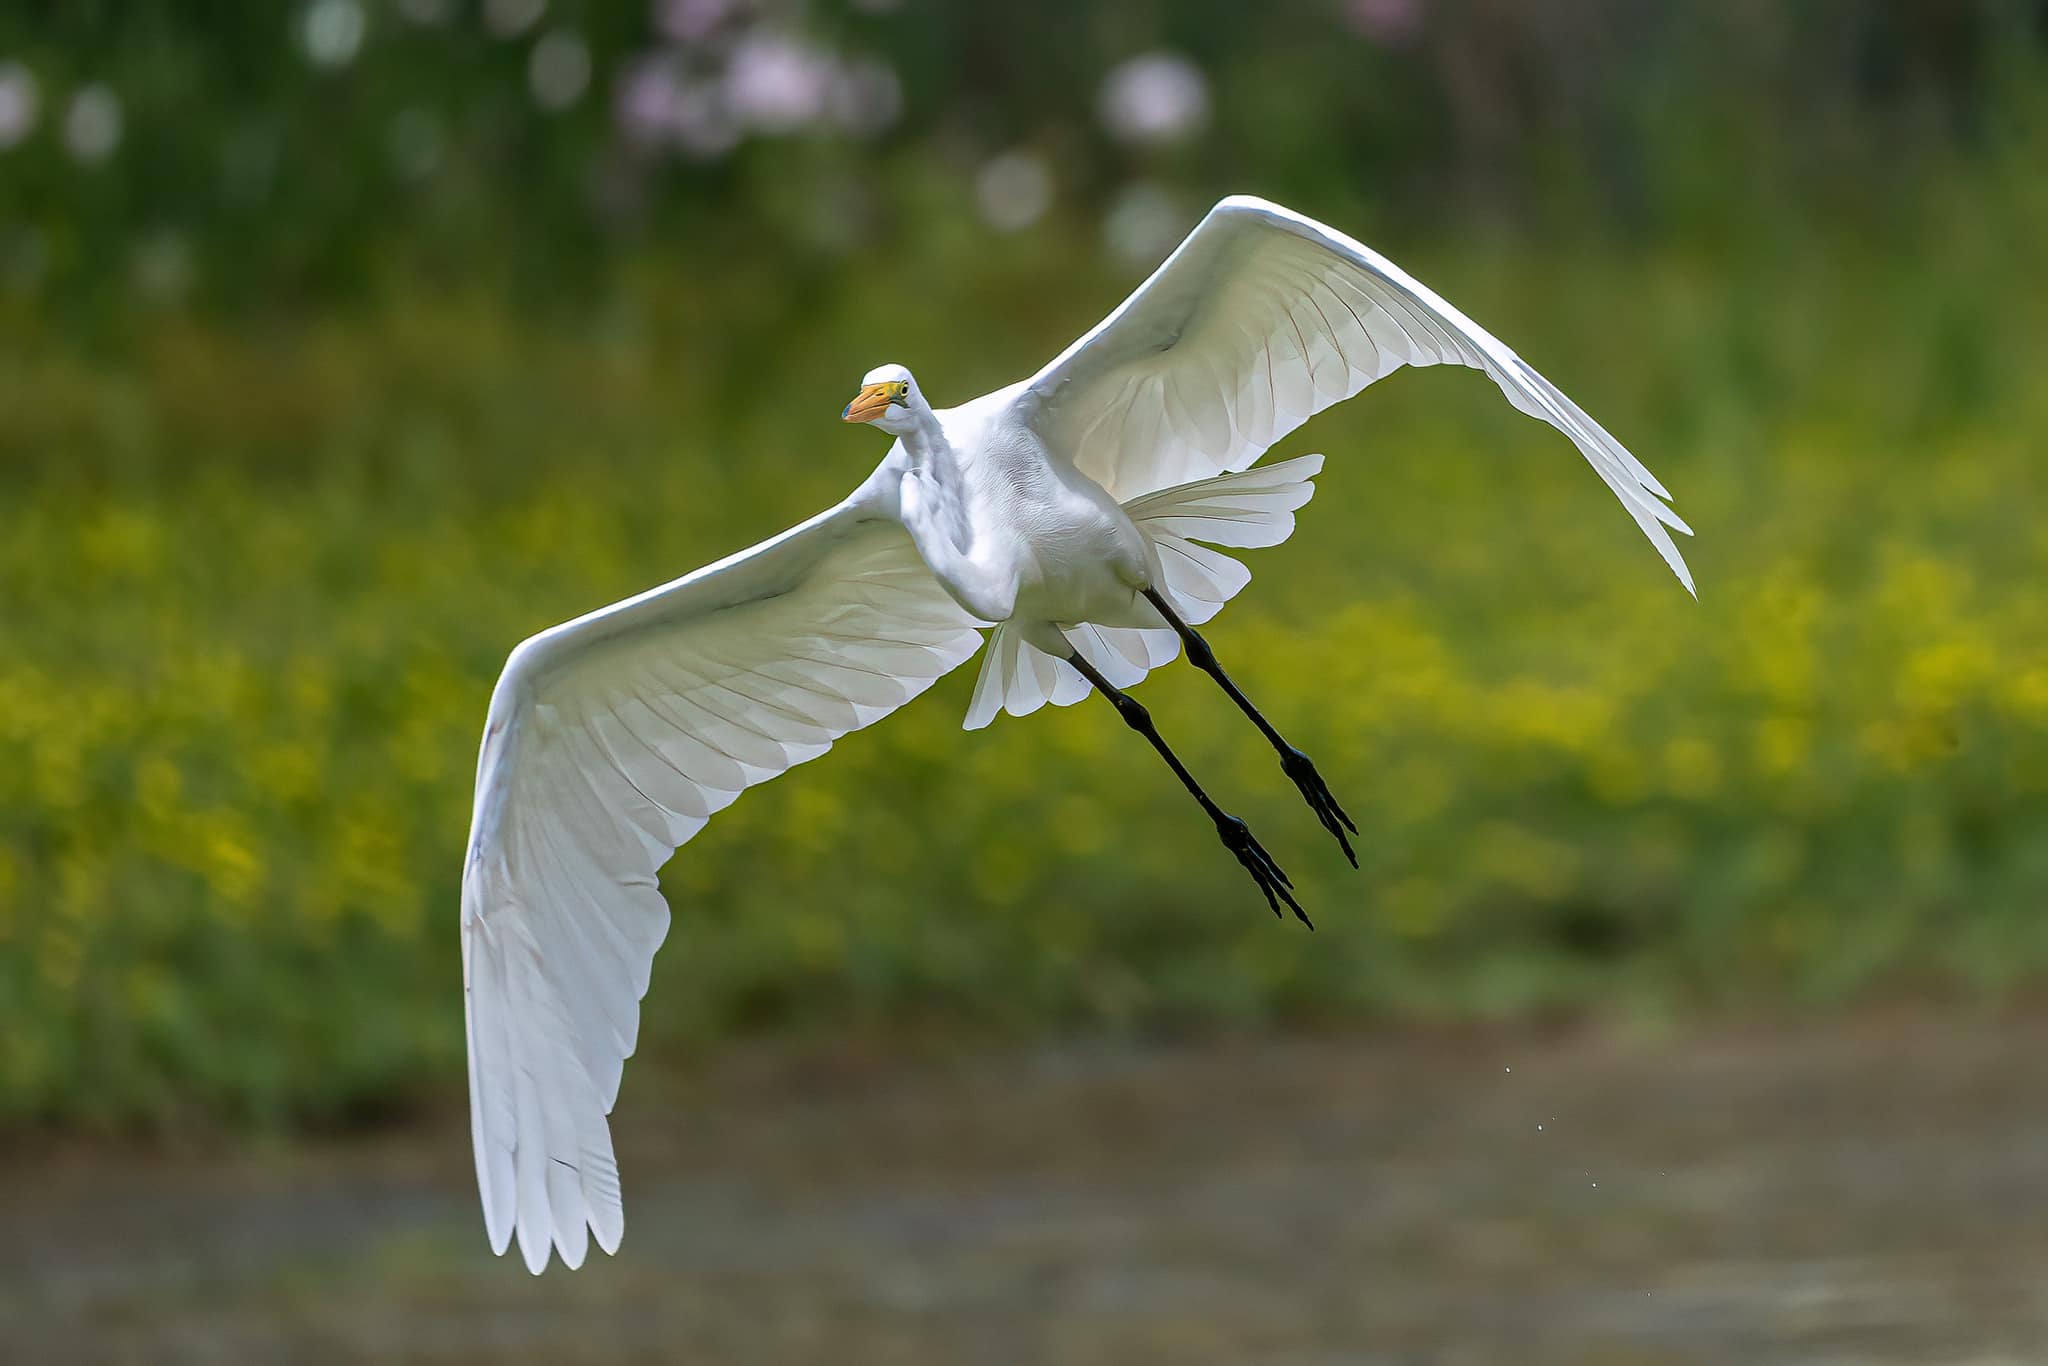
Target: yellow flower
(59, 956)
(1783, 745)
(1692, 768)
(227, 857)
(285, 772)
(10, 878)
(2026, 692)
(1540, 868)
(158, 786)
(121, 541)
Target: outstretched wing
(611, 741)
(1260, 320)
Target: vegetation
(261, 565)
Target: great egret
(1067, 513)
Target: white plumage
(1046, 510)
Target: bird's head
(888, 398)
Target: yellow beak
(870, 403)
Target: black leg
(1292, 761)
(1237, 837)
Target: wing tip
(1669, 518)
(1679, 567)
(1246, 203)
(537, 1253)
(1311, 465)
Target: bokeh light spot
(777, 84)
(1143, 223)
(427, 12)
(866, 97)
(687, 21)
(1013, 191)
(1155, 100)
(92, 125)
(559, 71)
(333, 32)
(20, 101)
(510, 18)
(414, 143)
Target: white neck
(936, 466)
(925, 440)
(934, 502)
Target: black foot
(1317, 794)
(1237, 837)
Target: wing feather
(1259, 320)
(611, 741)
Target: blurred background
(1687, 1008)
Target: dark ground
(1866, 1191)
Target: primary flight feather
(1073, 516)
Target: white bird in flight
(1070, 515)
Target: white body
(1012, 531)
(1042, 511)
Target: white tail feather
(1250, 509)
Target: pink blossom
(645, 100)
(687, 21)
(1157, 99)
(777, 84)
(866, 97)
(1392, 22)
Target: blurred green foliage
(275, 155)
(262, 560)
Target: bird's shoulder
(971, 424)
